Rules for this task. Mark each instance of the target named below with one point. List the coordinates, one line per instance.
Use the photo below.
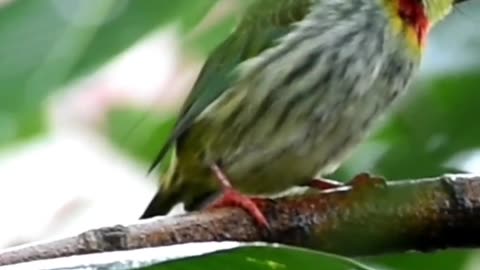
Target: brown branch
(422, 215)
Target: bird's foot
(365, 180)
(231, 197)
(360, 181)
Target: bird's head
(416, 17)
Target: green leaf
(263, 258)
(206, 42)
(46, 44)
(22, 126)
(139, 133)
(433, 126)
(451, 259)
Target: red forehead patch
(414, 14)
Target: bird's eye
(409, 10)
(405, 15)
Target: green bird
(289, 94)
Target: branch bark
(422, 214)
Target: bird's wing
(264, 23)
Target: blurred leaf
(268, 258)
(208, 40)
(45, 44)
(22, 126)
(435, 124)
(432, 128)
(140, 133)
(137, 19)
(440, 260)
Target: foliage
(47, 44)
(263, 258)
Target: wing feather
(264, 23)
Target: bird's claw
(233, 198)
(365, 180)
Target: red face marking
(413, 13)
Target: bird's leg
(362, 180)
(231, 197)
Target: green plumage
(286, 96)
(220, 69)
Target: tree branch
(423, 215)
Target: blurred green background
(89, 90)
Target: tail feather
(167, 195)
(161, 204)
(174, 190)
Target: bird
(288, 96)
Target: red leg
(231, 197)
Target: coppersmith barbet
(289, 94)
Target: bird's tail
(162, 203)
(173, 190)
(168, 195)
